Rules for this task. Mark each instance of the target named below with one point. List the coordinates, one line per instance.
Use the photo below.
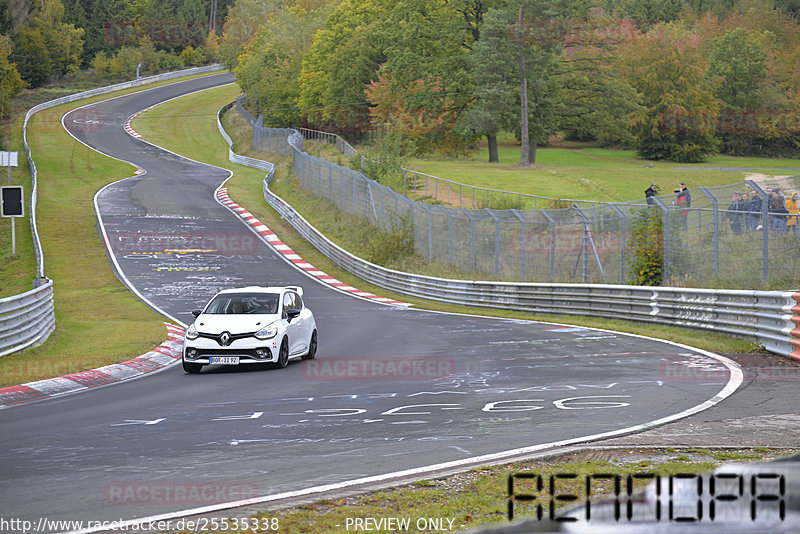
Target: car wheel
(283, 355)
(192, 368)
(312, 347)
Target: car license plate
(225, 360)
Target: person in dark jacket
(685, 192)
(734, 216)
(650, 192)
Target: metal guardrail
(770, 317)
(26, 319)
(265, 166)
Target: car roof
(261, 289)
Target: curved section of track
(392, 390)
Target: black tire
(283, 355)
(312, 347)
(192, 368)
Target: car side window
(287, 302)
(297, 304)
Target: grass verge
(581, 171)
(88, 296)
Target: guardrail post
(524, 241)
(715, 227)
(667, 239)
(764, 228)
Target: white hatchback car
(251, 325)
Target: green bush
(393, 243)
(125, 62)
(384, 160)
(190, 57)
(647, 241)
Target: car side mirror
(292, 314)
(197, 313)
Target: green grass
(588, 173)
(90, 301)
(17, 272)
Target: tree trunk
(493, 157)
(524, 158)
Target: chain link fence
(715, 241)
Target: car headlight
(191, 332)
(268, 332)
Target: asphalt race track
(452, 387)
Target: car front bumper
(249, 350)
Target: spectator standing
(734, 214)
(682, 201)
(682, 188)
(650, 192)
(778, 211)
(792, 208)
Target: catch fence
(716, 241)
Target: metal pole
(13, 238)
(715, 205)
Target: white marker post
(11, 205)
(8, 159)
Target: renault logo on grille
(225, 339)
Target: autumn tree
(341, 61)
(668, 68)
(520, 62)
(425, 83)
(10, 81)
(269, 69)
(47, 46)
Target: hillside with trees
(44, 41)
(674, 80)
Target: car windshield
(236, 303)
